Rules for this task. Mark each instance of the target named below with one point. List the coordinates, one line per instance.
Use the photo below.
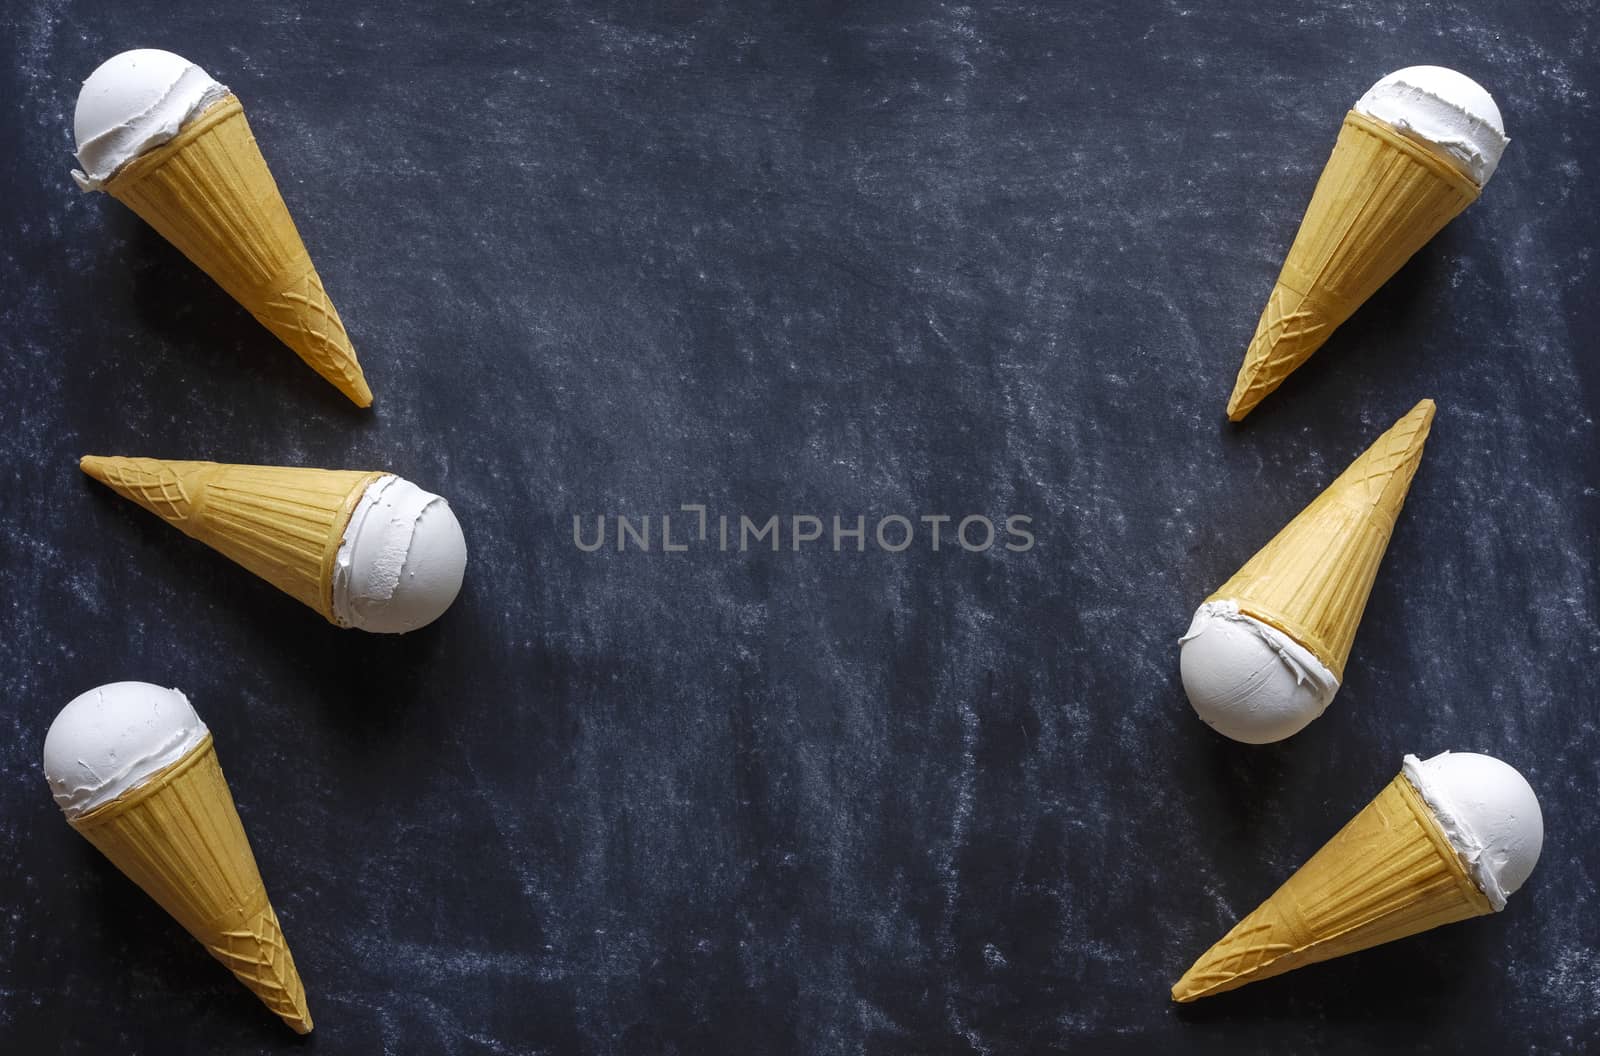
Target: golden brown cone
(1312, 580)
(178, 837)
(283, 523)
(1390, 872)
(209, 192)
(1381, 197)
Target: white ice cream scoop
(401, 562)
(133, 102)
(1445, 109)
(1489, 812)
(1247, 679)
(112, 739)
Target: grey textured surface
(912, 258)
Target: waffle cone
(1389, 873)
(1312, 580)
(179, 838)
(209, 192)
(284, 524)
(1381, 197)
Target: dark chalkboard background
(907, 258)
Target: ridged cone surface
(1313, 579)
(1389, 873)
(209, 192)
(283, 523)
(1381, 197)
(178, 837)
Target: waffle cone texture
(209, 192)
(1312, 580)
(283, 523)
(1391, 872)
(1380, 198)
(178, 837)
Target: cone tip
(1185, 991)
(359, 391)
(1420, 421)
(1245, 394)
(300, 1022)
(94, 466)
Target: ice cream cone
(179, 838)
(1390, 872)
(284, 524)
(1312, 580)
(1381, 197)
(209, 192)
